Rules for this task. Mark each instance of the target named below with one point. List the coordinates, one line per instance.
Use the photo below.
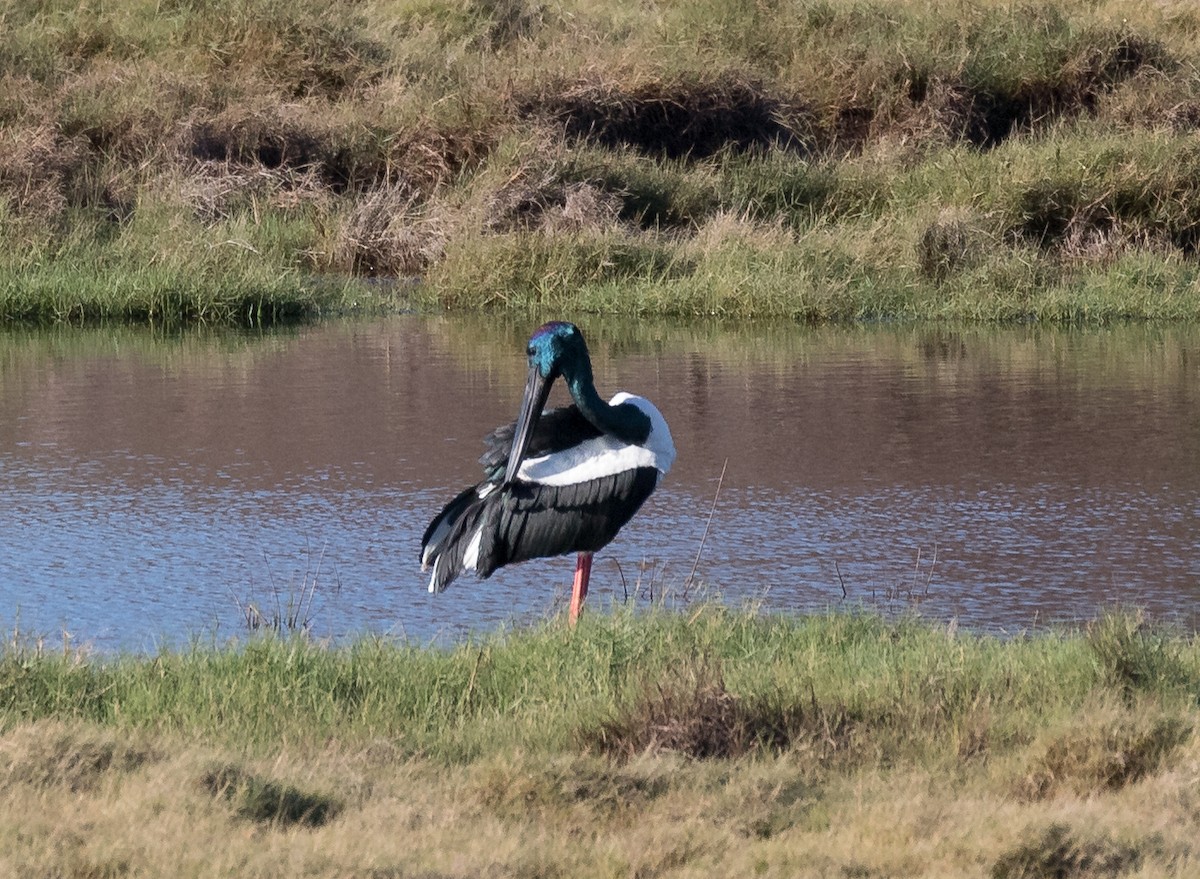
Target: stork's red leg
(583, 572)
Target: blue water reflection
(154, 488)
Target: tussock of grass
(1060, 853)
(1102, 751)
(52, 755)
(692, 118)
(265, 801)
(690, 713)
(1135, 656)
(387, 233)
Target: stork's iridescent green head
(557, 349)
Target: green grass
(644, 742)
(903, 687)
(835, 160)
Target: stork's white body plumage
(605, 455)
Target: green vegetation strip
(620, 684)
(833, 160)
(647, 743)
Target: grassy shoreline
(820, 161)
(644, 743)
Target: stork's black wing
(528, 520)
(489, 526)
(557, 429)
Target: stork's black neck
(558, 349)
(626, 422)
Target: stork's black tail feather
(441, 545)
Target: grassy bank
(813, 160)
(720, 743)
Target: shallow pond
(152, 488)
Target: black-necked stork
(556, 482)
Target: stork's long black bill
(537, 391)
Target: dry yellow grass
(79, 801)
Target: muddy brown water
(151, 488)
